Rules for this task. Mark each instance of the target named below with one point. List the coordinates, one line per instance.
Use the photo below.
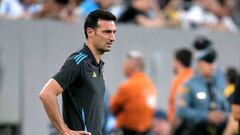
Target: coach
(81, 80)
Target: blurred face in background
(175, 66)
(129, 66)
(206, 69)
(103, 36)
(106, 4)
(142, 5)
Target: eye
(107, 31)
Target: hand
(71, 132)
(216, 117)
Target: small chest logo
(94, 75)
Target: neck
(181, 69)
(208, 77)
(97, 55)
(133, 72)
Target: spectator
(205, 14)
(89, 5)
(201, 105)
(183, 72)
(221, 8)
(57, 9)
(231, 75)
(236, 13)
(160, 124)
(15, 9)
(135, 9)
(201, 46)
(135, 101)
(166, 13)
(236, 103)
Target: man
(81, 80)
(231, 77)
(135, 101)
(201, 104)
(201, 46)
(183, 72)
(236, 103)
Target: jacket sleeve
(117, 101)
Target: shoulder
(77, 59)
(189, 85)
(125, 85)
(192, 81)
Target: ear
(90, 32)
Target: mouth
(109, 44)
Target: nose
(112, 37)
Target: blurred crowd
(200, 96)
(219, 15)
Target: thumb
(85, 133)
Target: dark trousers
(200, 129)
(131, 132)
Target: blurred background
(36, 36)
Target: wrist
(64, 129)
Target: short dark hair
(92, 19)
(231, 75)
(201, 43)
(184, 56)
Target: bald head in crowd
(134, 62)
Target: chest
(94, 79)
(202, 97)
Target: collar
(138, 74)
(186, 71)
(87, 50)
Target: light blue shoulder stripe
(84, 120)
(82, 58)
(77, 56)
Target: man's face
(104, 36)
(206, 69)
(175, 66)
(128, 66)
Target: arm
(48, 96)
(184, 109)
(221, 10)
(117, 101)
(70, 71)
(192, 114)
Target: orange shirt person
(181, 65)
(135, 101)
